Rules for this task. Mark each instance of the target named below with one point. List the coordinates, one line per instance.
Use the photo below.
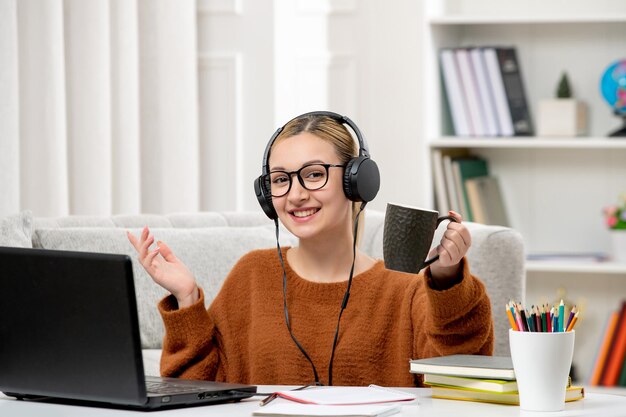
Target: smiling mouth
(304, 213)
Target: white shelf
(531, 142)
(553, 188)
(453, 20)
(576, 267)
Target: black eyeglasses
(312, 177)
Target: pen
(268, 399)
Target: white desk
(594, 404)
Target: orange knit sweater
(391, 318)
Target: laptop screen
(69, 326)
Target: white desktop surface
(593, 404)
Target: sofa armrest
(497, 257)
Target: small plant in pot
(563, 116)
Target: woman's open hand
(165, 268)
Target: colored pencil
(510, 316)
(537, 319)
(572, 323)
(549, 318)
(571, 316)
(518, 317)
(544, 326)
(555, 320)
(561, 315)
(524, 320)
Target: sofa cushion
(16, 230)
(209, 253)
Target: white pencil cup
(542, 363)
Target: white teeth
(304, 213)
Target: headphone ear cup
(361, 179)
(264, 197)
(347, 180)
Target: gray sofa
(211, 242)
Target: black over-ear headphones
(361, 179)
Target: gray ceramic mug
(408, 235)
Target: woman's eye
(280, 180)
(315, 175)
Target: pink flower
(611, 221)
(610, 210)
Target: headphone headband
(363, 148)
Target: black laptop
(69, 331)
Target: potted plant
(562, 116)
(615, 218)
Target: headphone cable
(346, 296)
(293, 337)
(344, 302)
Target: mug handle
(439, 220)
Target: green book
(474, 366)
(464, 169)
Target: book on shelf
(485, 92)
(475, 366)
(616, 352)
(603, 348)
(470, 91)
(454, 93)
(464, 168)
(439, 182)
(503, 115)
(486, 201)
(443, 178)
(572, 393)
(495, 385)
(511, 74)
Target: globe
(613, 88)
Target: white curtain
(98, 106)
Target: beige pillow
(209, 253)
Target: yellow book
(572, 393)
(495, 385)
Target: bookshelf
(554, 189)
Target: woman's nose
(297, 191)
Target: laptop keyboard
(164, 387)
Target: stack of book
(478, 378)
(485, 92)
(609, 367)
(463, 184)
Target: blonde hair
(333, 132)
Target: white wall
(103, 110)
(358, 58)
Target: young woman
(278, 318)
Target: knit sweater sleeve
(191, 344)
(455, 320)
